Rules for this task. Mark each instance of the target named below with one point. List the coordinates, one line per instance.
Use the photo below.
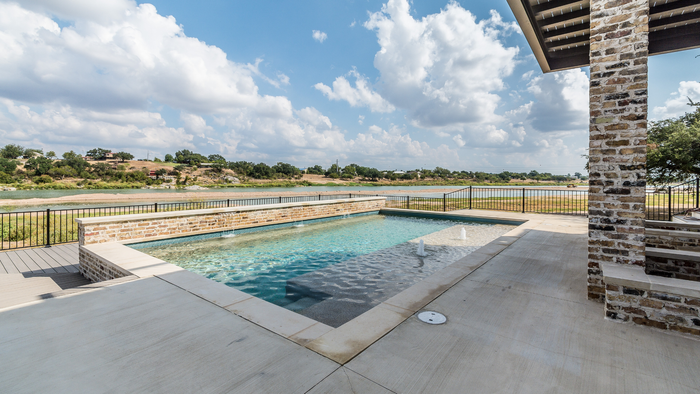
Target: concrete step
(672, 233)
(673, 254)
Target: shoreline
(98, 198)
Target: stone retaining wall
(661, 310)
(152, 226)
(98, 269)
(673, 236)
(672, 268)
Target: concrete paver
(522, 324)
(147, 336)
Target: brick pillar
(618, 134)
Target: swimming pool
(338, 267)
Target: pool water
(260, 263)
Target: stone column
(618, 135)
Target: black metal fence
(50, 227)
(57, 226)
(525, 200)
(666, 202)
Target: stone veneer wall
(655, 309)
(618, 133)
(172, 224)
(98, 269)
(675, 236)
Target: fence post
(523, 200)
(319, 197)
(280, 199)
(670, 207)
(444, 203)
(228, 203)
(48, 225)
(697, 193)
(470, 197)
(156, 205)
(408, 202)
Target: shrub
(42, 179)
(6, 178)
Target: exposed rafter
(559, 30)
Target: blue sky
(391, 84)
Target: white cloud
(458, 140)
(361, 119)
(443, 68)
(677, 104)
(319, 35)
(561, 102)
(65, 126)
(361, 95)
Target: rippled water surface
(260, 263)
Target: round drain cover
(432, 317)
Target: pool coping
(340, 344)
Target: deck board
(46, 260)
(23, 266)
(57, 258)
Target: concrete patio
(521, 323)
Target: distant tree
(286, 169)
(7, 166)
(333, 169)
(29, 153)
(216, 158)
(241, 168)
(262, 171)
(673, 153)
(218, 167)
(169, 158)
(157, 160)
(160, 172)
(102, 169)
(62, 172)
(6, 178)
(123, 156)
(190, 158)
(40, 165)
(373, 174)
(350, 170)
(97, 153)
(12, 151)
(317, 170)
(51, 154)
(73, 160)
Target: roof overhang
(558, 31)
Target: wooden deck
(28, 275)
(60, 259)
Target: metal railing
(50, 227)
(666, 202)
(525, 200)
(58, 226)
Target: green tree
(29, 153)
(73, 160)
(51, 154)
(216, 158)
(12, 151)
(286, 169)
(168, 158)
(190, 158)
(673, 153)
(161, 172)
(123, 156)
(63, 172)
(40, 165)
(97, 153)
(7, 166)
(262, 171)
(317, 169)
